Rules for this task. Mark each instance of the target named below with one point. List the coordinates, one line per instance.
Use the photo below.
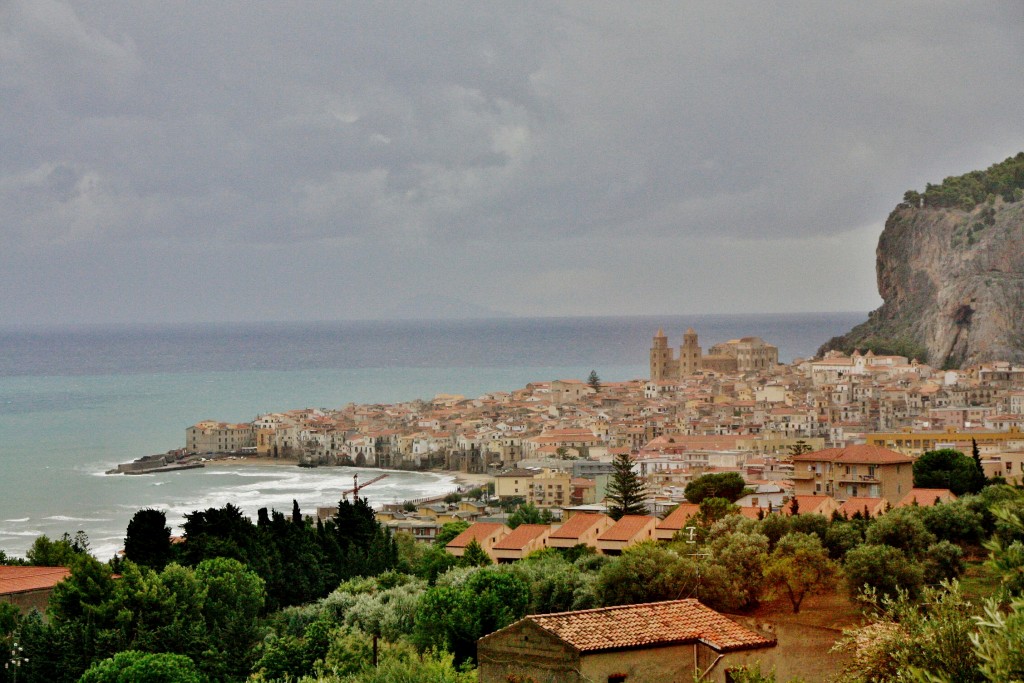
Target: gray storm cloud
(233, 160)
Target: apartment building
(860, 471)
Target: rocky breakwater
(171, 461)
(950, 265)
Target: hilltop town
(734, 409)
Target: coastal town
(839, 433)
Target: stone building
(646, 643)
(748, 354)
(210, 436)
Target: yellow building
(916, 443)
(550, 489)
(545, 488)
(861, 471)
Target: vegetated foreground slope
(950, 266)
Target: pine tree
(475, 556)
(626, 490)
(594, 381)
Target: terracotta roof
(626, 528)
(476, 532)
(677, 518)
(859, 454)
(926, 497)
(576, 526)
(874, 506)
(522, 536)
(25, 579)
(644, 625)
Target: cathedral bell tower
(689, 354)
(661, 356)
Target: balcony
(858, 478)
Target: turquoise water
(60, 434)
(75, 402)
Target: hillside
(950, 266)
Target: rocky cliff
(951, 277)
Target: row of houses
(611, 537)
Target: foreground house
(29, 588)
(648, 643)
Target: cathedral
(749, 354)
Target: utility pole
(691, 539)
(16, 660)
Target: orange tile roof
(577, 525)
(25, 579)
(522, 536)
(926, 497)
(649, 624)
(677, 518)
(476, 532)
(874, 506)
(858, 454)
(626, 528)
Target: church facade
(748, 354)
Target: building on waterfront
(210, 436)
(748, 354)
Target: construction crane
(356, 486)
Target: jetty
(172, 461)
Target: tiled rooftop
(577, 525)
(24, 579)
(859, 454)
(626, 528)
(656, 623)
(926, 497)
(521, 536)
(476, 532)
(677, 518)
(854, 505)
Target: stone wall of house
(526, 651)
(28, 601)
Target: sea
(76, 401)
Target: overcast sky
(205, 161)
